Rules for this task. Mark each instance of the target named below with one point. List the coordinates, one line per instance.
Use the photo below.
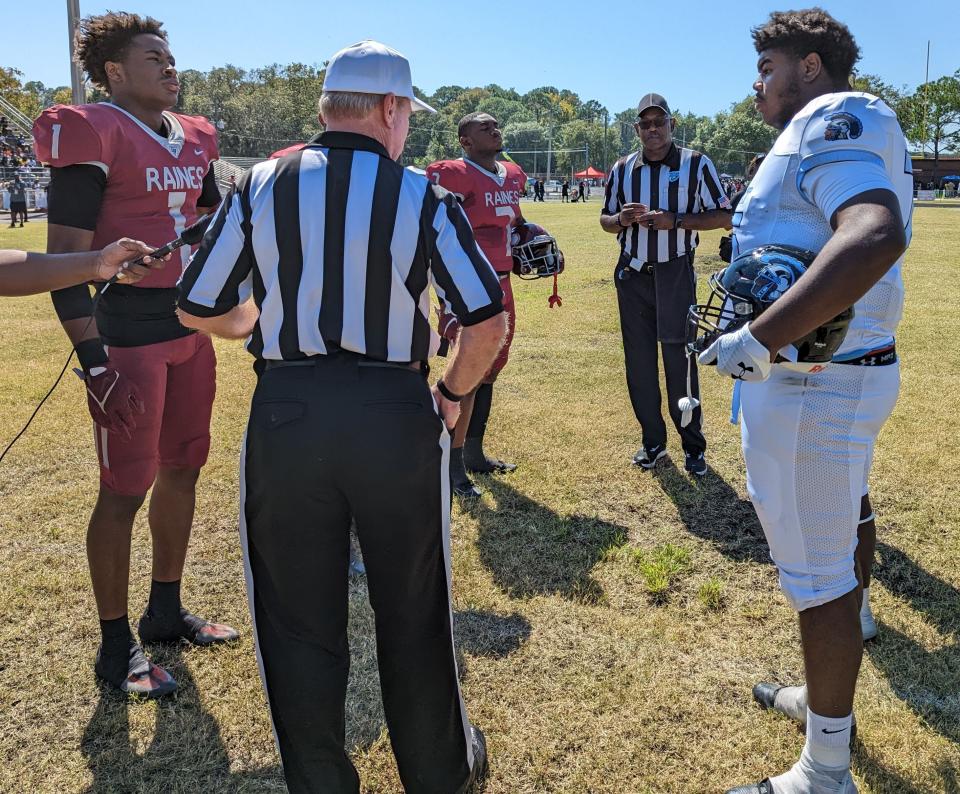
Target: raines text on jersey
(501, 198)
(175, 177)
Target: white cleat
(868, 625)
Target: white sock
(865, 606)
(828, 743)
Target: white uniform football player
(837, 182)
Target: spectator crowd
(20, 174)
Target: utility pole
(549, 151)
(606, 123)
(76, 73)
(926, 83)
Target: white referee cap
(370, 67)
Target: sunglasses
(659, 121)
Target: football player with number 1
(129, 166)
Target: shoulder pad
(848, 121)
(69, 134)
(201, 131)
(448, 173)
(515, 170)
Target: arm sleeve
(464, 280)
(75, 195)
(611, 193)
(712, 196)
(219, 274)
(74, 199)
(210, 194)
(841, 154)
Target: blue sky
(614, 59)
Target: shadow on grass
(476, 633)
(530, 549)
(488, 634)
(937, 600)
(925, 680)
(186, 754)
(713, 511)
(884, 781)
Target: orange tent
(590, 173)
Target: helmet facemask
(537, 257)
(722, 313)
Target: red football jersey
(153, 183)
(491, 202)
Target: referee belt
(635, 266)
(347, 355)
(881, 357)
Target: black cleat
(695, 463)
(488, 466)
(133, 673)
(184, 627)
(465, 489)
(481, 767)
(765, 693)
(647, 457)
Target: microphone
(192, 235)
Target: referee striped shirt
(339, 245)
(684, 182)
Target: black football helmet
(743, 290)
(535, 252)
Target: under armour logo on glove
(112, 399)
(739, 355)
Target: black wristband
(90, 353)
(447, 394)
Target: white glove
(739, 355)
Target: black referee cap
(652, 101)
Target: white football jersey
(838, 146)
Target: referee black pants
(636, 296)
(326, 441)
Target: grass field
(611, 622)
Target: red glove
(113, 399)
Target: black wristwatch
(678, 221)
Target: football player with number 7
(489, 192)
(129, 166)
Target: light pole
(76, 74)
(606, 123)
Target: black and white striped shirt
(684, 182)
(339, 246)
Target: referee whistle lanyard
(688, 404)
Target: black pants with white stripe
(636, 296)
(326, 441)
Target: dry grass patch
(610, 621)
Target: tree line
(261, 110)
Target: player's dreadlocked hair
(467, 120)
(106, 38)
(811, 30)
